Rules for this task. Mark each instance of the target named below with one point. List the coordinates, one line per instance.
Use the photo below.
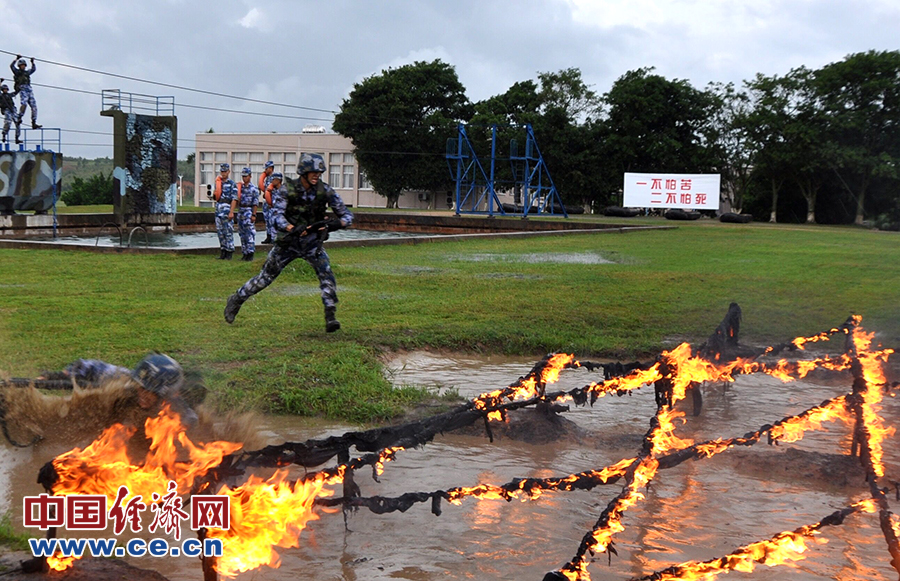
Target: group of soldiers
(296, 226)
(242, 199)
(22, 88)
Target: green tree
(558, 109)
(97, 189)
(652, 124)
(399, 121)
(791, 132)
(731, 142)
(861, 99)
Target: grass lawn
(503, 296)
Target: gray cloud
(311, 53)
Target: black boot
(248, 257)
(221, 254)
(34, 125)
(232, 308)
(228, 254)
(331, 324)
(268, 240)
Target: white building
(253, 150)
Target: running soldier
(22, 79)
(8, 109)
(246, 203)
(302, 227)
(265, 179)
(224, 194)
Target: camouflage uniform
(22, 86)
(248, 200)
(301, 208)
(8, 108)
(264, 181)
(94, 371)
(224, 224)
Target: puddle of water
(210, 239)
(551, 257)
(698, 510)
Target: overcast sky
(310, 54)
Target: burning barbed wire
(251, 542)
(785, 547)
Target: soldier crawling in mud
(108, 394)
(246, 203)
(299, 216)
(22, 80)
(8, 110)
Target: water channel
(698, 510)
(139, 238)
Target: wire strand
(172, 86)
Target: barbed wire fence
(673, 374)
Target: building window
(206, 156)
(221, 157)
(334, 176)
(256, 168)
(290, 157)
(348, 177)
(240, 157)
(257, 157)
(276, 157)
(364, 183)
(206, 173)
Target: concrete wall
(146, 170)
(29, 180)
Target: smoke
(79, 416)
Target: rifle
(320, 228)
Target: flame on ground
(57, 562)
(873, 375)
(265, 514)
(104, 465)
(273, 513)
(785, 548)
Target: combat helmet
(310, 162)
(159, 374)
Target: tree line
(811, 145)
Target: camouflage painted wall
(145, 155)
(28, 178)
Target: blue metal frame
(535, 170)
(116, 100)
(468, 169)
(535, 173)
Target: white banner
(672, 190)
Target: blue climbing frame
(475, 188)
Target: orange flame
(104, 465)
(273, 513)
(793, 429)
(784, 548)
(494, 492)
(265, 514)
(873, 374)
(57, 562)
(527, 387)
(663, 438)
